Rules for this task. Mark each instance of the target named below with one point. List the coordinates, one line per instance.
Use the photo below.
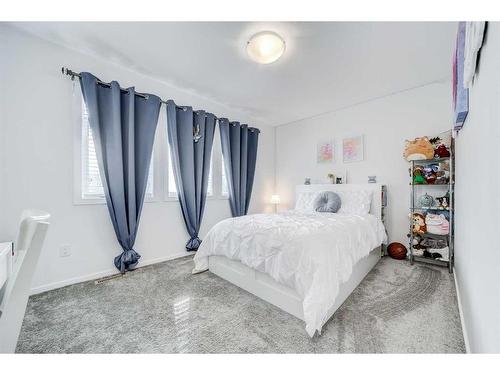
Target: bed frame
(266, 288)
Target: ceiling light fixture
(265, 47)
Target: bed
(304, 262)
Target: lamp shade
(265, 47)
(275, 199)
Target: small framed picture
(325, 152)
(352, 149)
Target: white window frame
(160, 160)
(78, 168)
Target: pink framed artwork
(352, 149)
(325, 152)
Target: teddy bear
(418, 149)
(419, 225)
(441, 151)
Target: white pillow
(305, 201)
(355, 202)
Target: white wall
(477, 205)
(385, 124)
(36, 148)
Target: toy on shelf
(426, 200)
(418, 149)
(433, 173)
(419, 225)
(443, 202)
(437, 224)
(440, 148)
(430, 175)
(430, 248)
(418, 175)
(443, 173)
(417, 245)
(435, 248)
(441, 152)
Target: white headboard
(378, 193)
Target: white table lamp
(275, 199)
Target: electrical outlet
(65, 251)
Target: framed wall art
(352, 149)
(325, 152)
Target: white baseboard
(98, 275)
(460, 311)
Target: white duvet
(312, 253)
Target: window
(210, 188)
(225, 188)
(91, 183)
(88, 187)
(172, 188)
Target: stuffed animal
(417, 245)
(419, 226)
(441, 178)
(441, 254)
(442, 173)
(442, 202)
(418, 176)
(418, 149)
(437, 224)
(441, 151)
(430, 175)
(434, 243)
(426, 200)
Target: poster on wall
(352, 149)
(325, 152)
(460, 93)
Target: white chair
(32, 230)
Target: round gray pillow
(327, 201)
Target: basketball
(397, 250)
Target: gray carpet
(162, 308)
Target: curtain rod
(72, 74)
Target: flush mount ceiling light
(265, 47)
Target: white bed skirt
(266, 288)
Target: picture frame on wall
(353, 149)
(325, 152)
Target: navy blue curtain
(123, 126)
(239, 149)
(190, 136)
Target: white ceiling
(326, 66)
